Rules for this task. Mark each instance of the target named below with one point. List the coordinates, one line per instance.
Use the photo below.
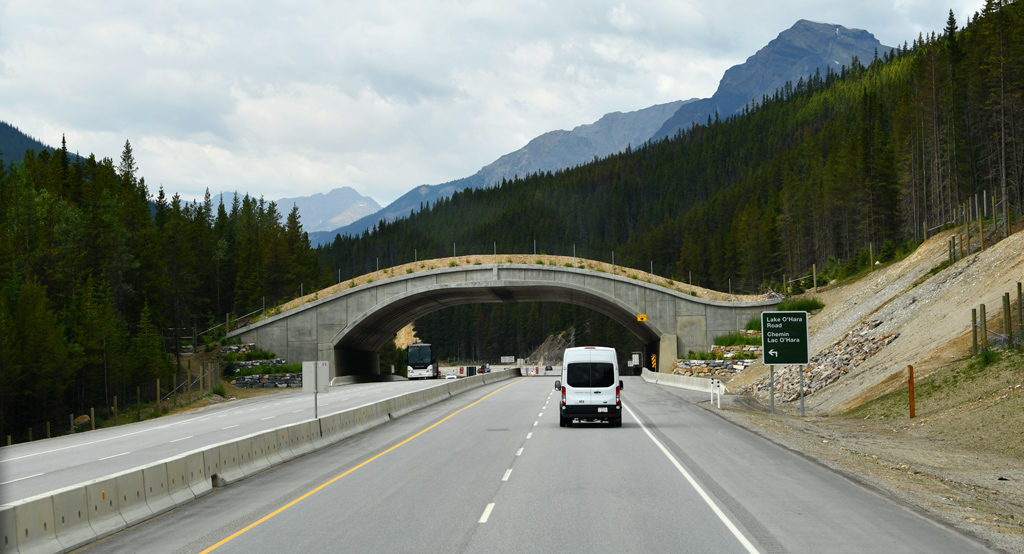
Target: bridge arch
(349, 328)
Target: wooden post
(910, 385)
(814, 276)
(984, 329)
(1020, 308)
(981, 236)
(974, 330)
(1007, 320)
(115, 410)
(92, 417)
(47, 429)
(967, 225)
(871, 255)
(8, 440)
(158, 392)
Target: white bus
(421, 362)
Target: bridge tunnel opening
(482, 324)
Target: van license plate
(599, 410)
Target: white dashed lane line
(183, 438)
(487, 513)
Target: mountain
(796, 53)
(14, 143)
(551, 151)
(337, 208)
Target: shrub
(452, 263)
(801, 305)
(567, 264)
(734, 339)
(218, 389)
(753, 324)
(408, 270)
(693, 292)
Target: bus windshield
(419, 354)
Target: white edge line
(114, 456)
(487, 513)
(21, 479)
(693, 482)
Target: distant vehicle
(421, 362)
(590, 385)
(451, 376)
(547, 368)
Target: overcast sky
(293, 98)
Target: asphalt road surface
(33, 468)
(491, 471)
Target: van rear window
(590, 374)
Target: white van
(590, 385)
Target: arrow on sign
(774, 353)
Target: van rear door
(590, 383)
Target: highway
(490, 470)
(33, 468)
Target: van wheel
(563, 421)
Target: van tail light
(563, 396)
(617, 401)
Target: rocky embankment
(827, 366)
(269, 381)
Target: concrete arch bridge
(348, 328)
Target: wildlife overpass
(348, 328)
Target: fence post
(984, 329)
(1020, 308)
(1007, 320)
(92, 417)
(974, 330)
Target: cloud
(279, 98)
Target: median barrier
(247, 463)
(271, 441)
(71, 518)
(131, 491)
(226, 463)
(177, 480)
(34, 528)
(300, 438)
(260, 452)
(198, 479)
(158, 497)
(104, 506)
(8, 530)
(679, 381)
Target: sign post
(784, 342)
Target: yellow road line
(333, 479)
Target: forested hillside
(97, 278)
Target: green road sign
(784, 338)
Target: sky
(286, 98)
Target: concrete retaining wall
(74, 516)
